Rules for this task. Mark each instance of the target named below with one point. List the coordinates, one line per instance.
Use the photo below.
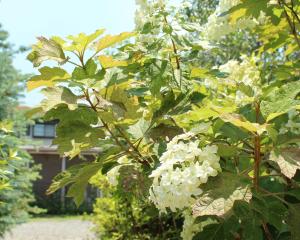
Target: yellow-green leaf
(6, 126)
(235, 16)
(123, 108)
(109, 62)
(196, 115)
(110, 40)
(277, 114)
(81, 41)
(46, 50)
(199, 73)
(48, 78)
(58, 95)
(238, 121)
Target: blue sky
(27, 19)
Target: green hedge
(119, 215)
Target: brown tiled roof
(23, 107)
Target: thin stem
(247, 151)
(272, 175)
(247, 144)
(82, 61)
(128, 141)
(122, 133)
(267, 231)
(115, 156)
(111, 133)
(74, 64)
(176, 54)
(291, 24)
(257, 160)
(274, 195)
(174, 47)
(119, 143)
(174, 50)
(292, 10)
(257, 150)
(173, 73)
(76, 54)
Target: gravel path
(52, 230)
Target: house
(38, 143)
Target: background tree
(16, 200)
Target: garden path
(52, 230)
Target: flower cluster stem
(257, 150)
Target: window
(44, 130)
(28, 132)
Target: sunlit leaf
(88, 71)
(288, 160)
(6, 126)
(238, 121)
(48, 77)
(46, 50)
(220, 193)
(58, 95)
(280, 100)
(81, 41)
(139, 129)
(110, 40)
(109, 62)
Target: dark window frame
(44, 135)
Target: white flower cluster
(150, 12)
(293, 124)
(218, 26)
(186, 4)
(184, 167)
(245, 72)
(147, 12)
(241, 72)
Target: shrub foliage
(218, 144)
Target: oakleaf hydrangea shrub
(215, 143)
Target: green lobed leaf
(288, 160)
(139, 129)
(88, 71)
(248, 8)
(56, 96)
(220, 193)
(294, 221)
(75, 132)
(81, 179)
(48, 77)
(240, 122)
(78, 177)
(280, 100)
(225, 150)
